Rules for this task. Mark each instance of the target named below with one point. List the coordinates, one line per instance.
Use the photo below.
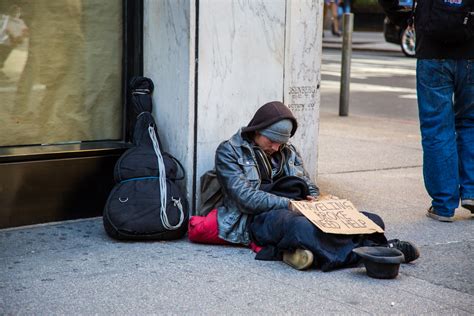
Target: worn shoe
(468, 204)
(300, 259)
(335, 31)
(431, 213)
(409, 250)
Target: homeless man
(260, 173)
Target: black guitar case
(146, 203)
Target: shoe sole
(416, 253)
(469, 207)
(440, 218)
(301, 259)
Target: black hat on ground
(380, 262)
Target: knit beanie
(268, 114)
(278, 132)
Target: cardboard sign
(336, 216)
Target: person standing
(445, 89)
(332, 5)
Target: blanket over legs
(280, 230)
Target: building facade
(64, 118)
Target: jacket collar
(238, 141)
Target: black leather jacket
(237, 172)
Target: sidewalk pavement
(74, 268)
(364, 41)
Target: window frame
(132, 65)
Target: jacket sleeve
(394, 12)
(302, 173)
(238, 187)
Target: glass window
(60, 71)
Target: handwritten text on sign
(336, 217)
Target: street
(382, 84)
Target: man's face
(268, 146)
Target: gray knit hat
(279, 132)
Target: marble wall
(248, 52)
(241, 67)
(303, 42)
(168, 37)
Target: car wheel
(407, 41)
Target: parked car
(404, 36)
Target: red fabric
(254, 247)
(204, 230)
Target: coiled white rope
(163, 192)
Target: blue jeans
(445, 91)
(344, 7)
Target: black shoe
(409, 250)
(335, 31)
(468, 204)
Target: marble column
(215, 62)
(168, 49)
(303, 49)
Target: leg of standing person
(347, 6)
(464, 121)
(334, 21)
(343, 8)
(435, 88)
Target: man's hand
(309, 198)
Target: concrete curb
(395, 49)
